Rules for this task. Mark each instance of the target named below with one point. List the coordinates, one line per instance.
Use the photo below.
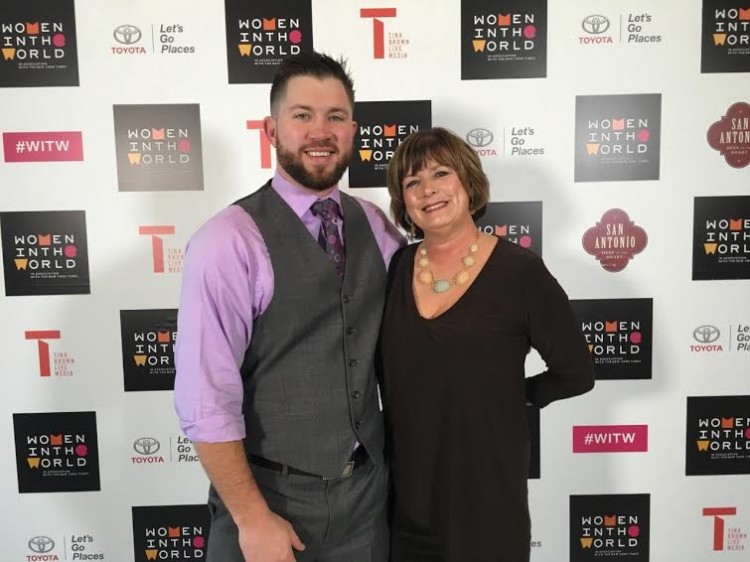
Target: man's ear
(269, 127)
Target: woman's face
(435, 198)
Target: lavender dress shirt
(228, 282)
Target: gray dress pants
(339, 520)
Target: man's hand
(263, 535)
(269, 538)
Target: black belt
(358, 458)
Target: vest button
(347, 298)
(356, 394)
(357, 425)
(350, 331)
(353, 362)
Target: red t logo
(40, 336)
(378, 29)
(157, 244)
(265, 144)
(715, 512)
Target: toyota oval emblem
(41, 544)
(127, 34)
(479, 137)
(146, 445)
(706, 334)
(595, 24)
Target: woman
(463, 310)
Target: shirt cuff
(215, 429)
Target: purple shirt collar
(300, 201)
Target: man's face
(313, 132)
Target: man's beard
(316, 181)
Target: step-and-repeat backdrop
(617, 139)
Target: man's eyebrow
(310, 108)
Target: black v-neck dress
(455, 400)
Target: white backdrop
(122, 276)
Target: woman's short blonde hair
(443, 147)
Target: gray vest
(310, 391)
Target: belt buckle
(348, 470)
(346, 473)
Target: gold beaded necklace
(427, 277)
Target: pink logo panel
(53, 146)
(610, 438)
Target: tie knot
(327, 209)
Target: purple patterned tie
(329, 239)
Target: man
(280, 311)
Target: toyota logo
(479, 137)
(41, 544)
(127, 34)
(595, 24)
(706, 334)
(146, 445)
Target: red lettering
(147, 460)
(129, 50)
(706, 347)
(595, 40)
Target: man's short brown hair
(315, 65)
